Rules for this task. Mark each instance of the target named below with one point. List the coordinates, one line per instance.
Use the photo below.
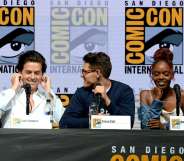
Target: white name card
(176, 122)
(30, 122)
(110, 122)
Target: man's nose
(32, 76)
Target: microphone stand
(27, 103)
(177, 107)
(27, 88)
(178, 98)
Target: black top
(77, 114)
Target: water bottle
(49, 109)
(93, 108)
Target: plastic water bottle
(49, 109)
(93, 108)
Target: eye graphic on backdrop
(90, 41)
(167, 38)
(89, 46)
(14, 43)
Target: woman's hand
(155, 124)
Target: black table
(90, 145)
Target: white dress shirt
(13, 109)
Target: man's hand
(101, 90)
(16, 81)
(46, 83)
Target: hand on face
(16, 81)
(46, 83)
(32, 74)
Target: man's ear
(98, 73)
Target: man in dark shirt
(116, 98)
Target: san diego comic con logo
(147, 153)
(76, 31)
(148, 29)
(16, 35)
(96, 123)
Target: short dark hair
(31, 56)
(99, 60)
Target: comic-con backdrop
(129, 31)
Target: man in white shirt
(18, 108)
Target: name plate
(30, 122)
(110, 122)
(176, 122)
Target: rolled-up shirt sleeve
(58, 108)
(6, 98)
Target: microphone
(178, 98)
(27, 88)
(98, 95)
(94, 105)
